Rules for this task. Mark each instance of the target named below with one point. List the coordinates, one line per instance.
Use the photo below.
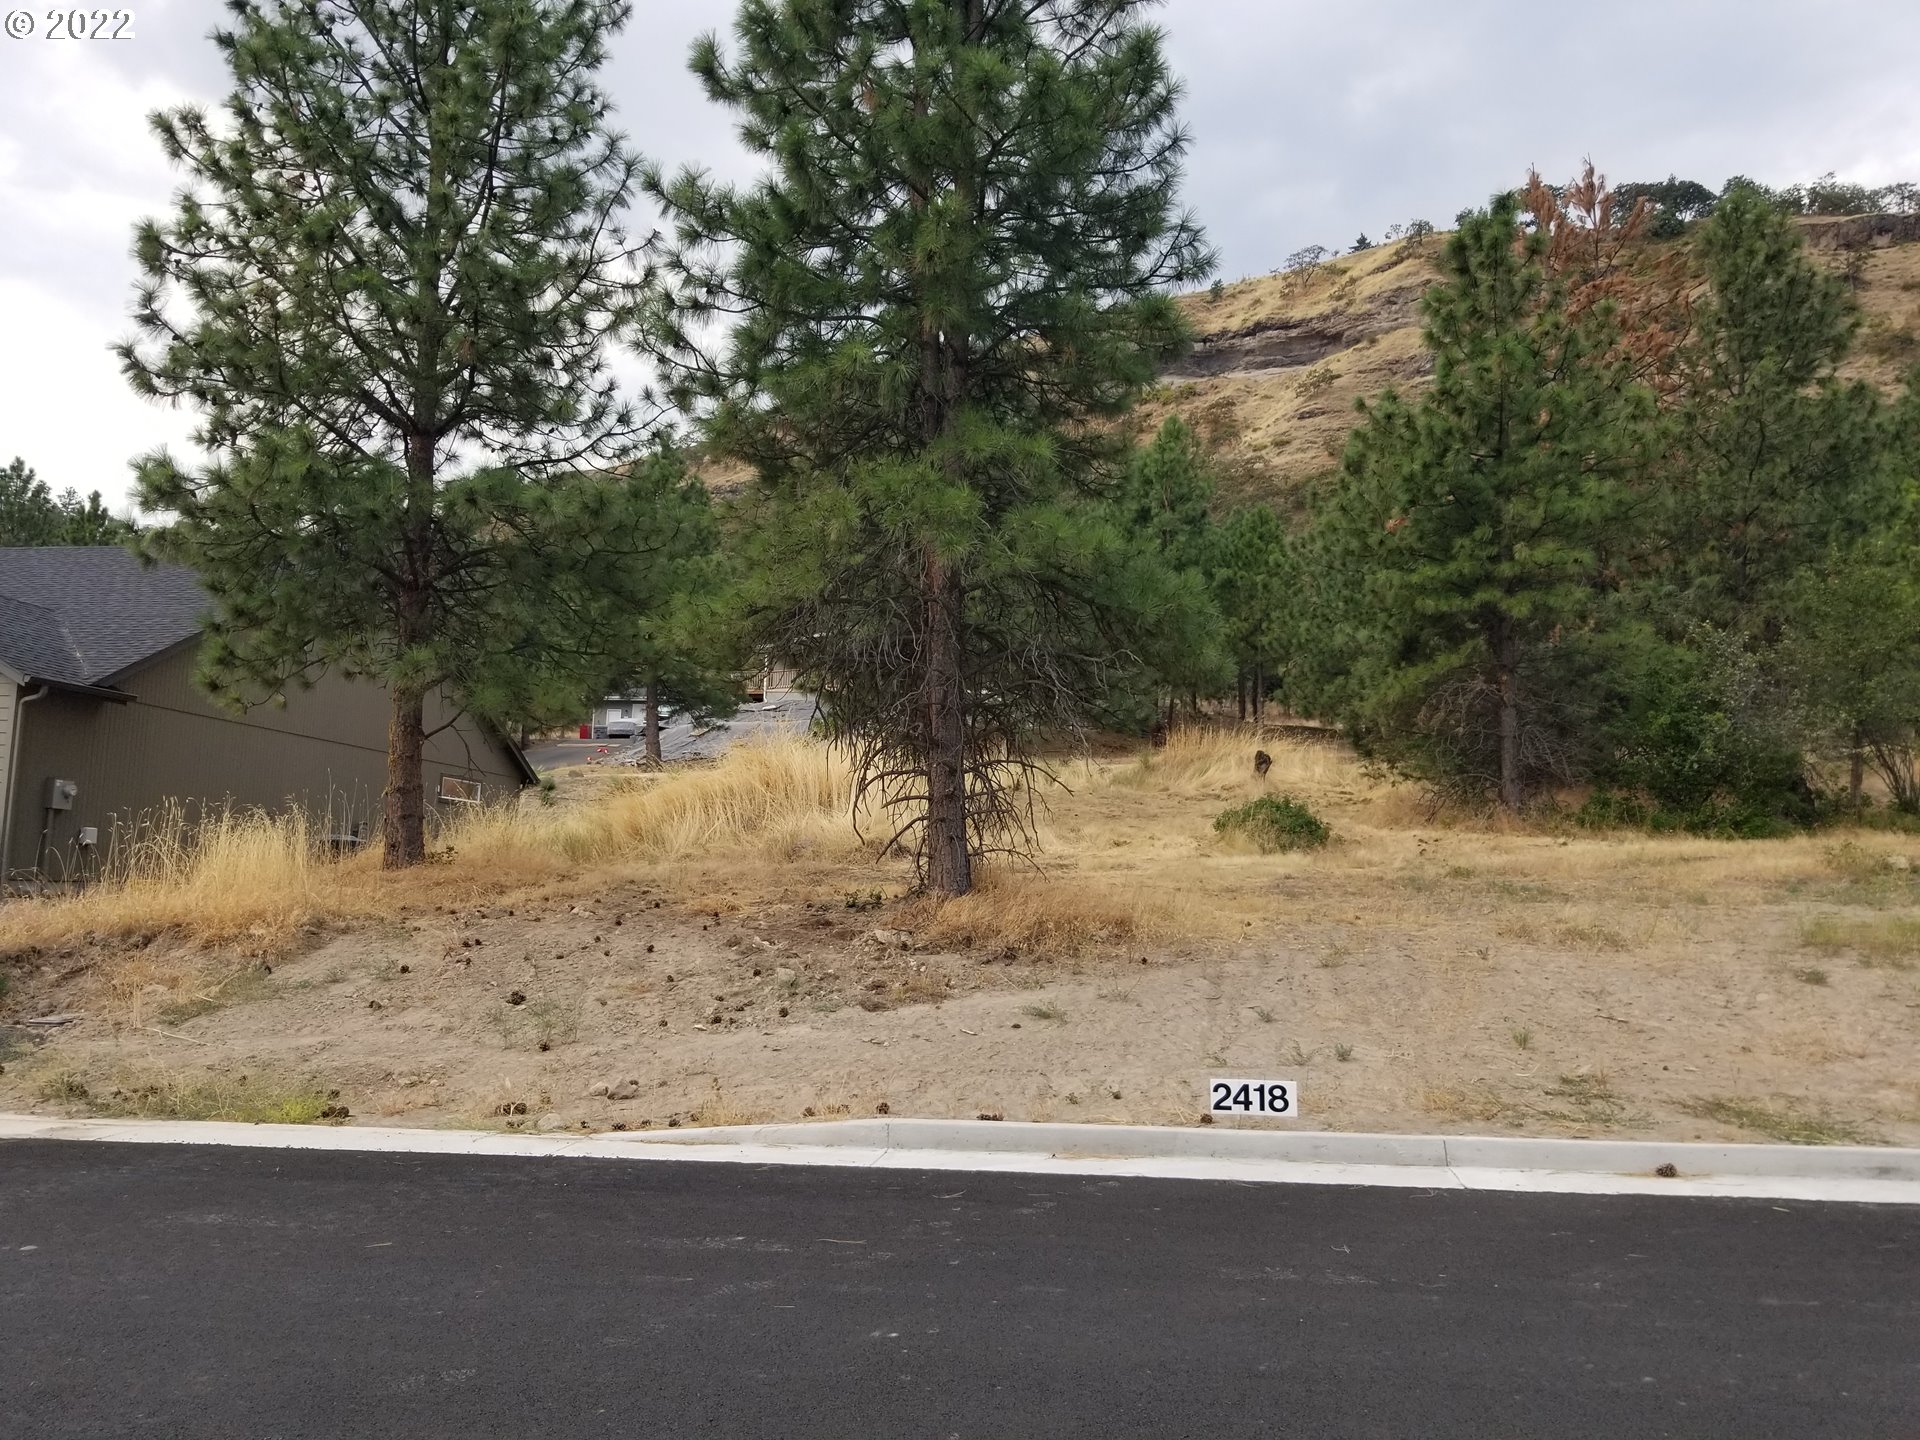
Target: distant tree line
(1640, 535)
(31, 514)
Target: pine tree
(1464, 546)
(1777, 457)
(1851, 622)
(1164, 498)
(389, 288)
(30, 513)
(961, 254)
(690, 654)
(1254, 587)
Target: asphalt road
(163, 1291)
(788, 715)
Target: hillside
(1281, 358)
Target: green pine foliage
(961, 253)
(1255, 587)
(31, 514)
(1469, 540)
(389, 288)
(1777, 458)
(1164, 499)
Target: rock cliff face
(1281, 360)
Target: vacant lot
(720, 944)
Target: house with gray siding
(101, 724)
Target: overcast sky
(1311, 123)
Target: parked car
(622, 727)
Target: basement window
(452, 787)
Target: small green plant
(1522, 1039)
(1343, 1053)
(1263, 1014)
(1812, 975)
(872, 901)
(1217, 291)
(1301, 1057)
(1275, 822)
(1786, 1122)
(65, 1087)
(1045, 1010)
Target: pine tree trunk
(1856, 777)
(1259, 692)
(949, 863)
(404, 827)
(404, 832)
(653, 722)
(1240, 688)
(1513, 793)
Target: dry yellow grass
(1044, 915)
(252, 880)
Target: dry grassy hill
(1281, 358)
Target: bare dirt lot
(1417, 974)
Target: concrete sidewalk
(1855, 1174)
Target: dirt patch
(1414, 975)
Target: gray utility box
(61, 794)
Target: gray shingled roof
(82, 614)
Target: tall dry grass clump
(255, 878)
(779, 799)
(223, 876)
(1204, 762)
(1044, 916)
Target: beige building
(101, 724)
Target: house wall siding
(324, 751)
(9, 696)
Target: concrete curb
(1424, 1162)
(1603, 1157)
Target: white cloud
(63, 406)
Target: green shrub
(1704, 744)
(1613, 810)
(1276, 822)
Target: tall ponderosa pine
(389, 286)
(1164, 499)
(1253, 581)
(960, 256)
(1461, 553)
(1777, 457)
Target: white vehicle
(622, 727)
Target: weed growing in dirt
(538, 1024)
(1812, 975)
(1785, 1122)
(1046, 1010)
(1263, 1014)
(1890, 941)
(1591, 1097)
(1343, 1053)
(1522, 1038)
(208, 1097)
